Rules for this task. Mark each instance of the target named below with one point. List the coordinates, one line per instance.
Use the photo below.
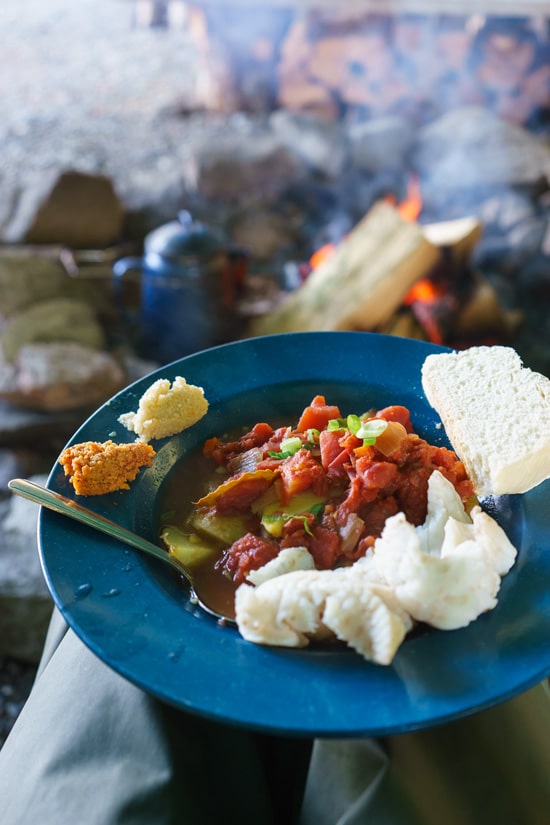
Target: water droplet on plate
(82, 591)
(114, 591)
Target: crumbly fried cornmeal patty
(96, 469)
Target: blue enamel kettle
(190, 280)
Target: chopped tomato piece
(350, 442)
(222, 452)
(377, 475)
(324, 546)
(396, 413)
(355, 498)
(322, 543)
(247, 553)
(338, 467)
(333, 456)
(317, 415)
(375, 514)
(302, 472)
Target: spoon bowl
(72, 509)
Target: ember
(424, 291)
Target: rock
(58, 319)
(242, 168)
(78, 209)
(263, 232)
(28, 275)
(380, 143)
(25, 604)
(40, 435)
(470, 147)
(60, 376)
(322, 145)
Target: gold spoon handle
(68, 507)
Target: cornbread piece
(96, 469)
(496, 413)
(166, 410)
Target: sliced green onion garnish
(353, 423)
(336, 424)
(291, 445)
(312, 435)
(303, 517)
(370, 430)
(280, 455)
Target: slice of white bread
(496, 413)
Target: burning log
(458, 238)
(483, 317)
(392, 275)
(363, 282)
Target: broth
(188, 481)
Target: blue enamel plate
(136, 616)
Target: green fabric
(93, 749)
(491, 768)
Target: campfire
(393, 275)
(414, 255)
(339, 146)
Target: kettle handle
(124, 265)
(121, 268)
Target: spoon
(67, 507)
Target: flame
(321, 255)
(426, 298)
(411, 207)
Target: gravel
(16, 680)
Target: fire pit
(454, 97)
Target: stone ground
(85, 74)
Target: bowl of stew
(140, 620)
